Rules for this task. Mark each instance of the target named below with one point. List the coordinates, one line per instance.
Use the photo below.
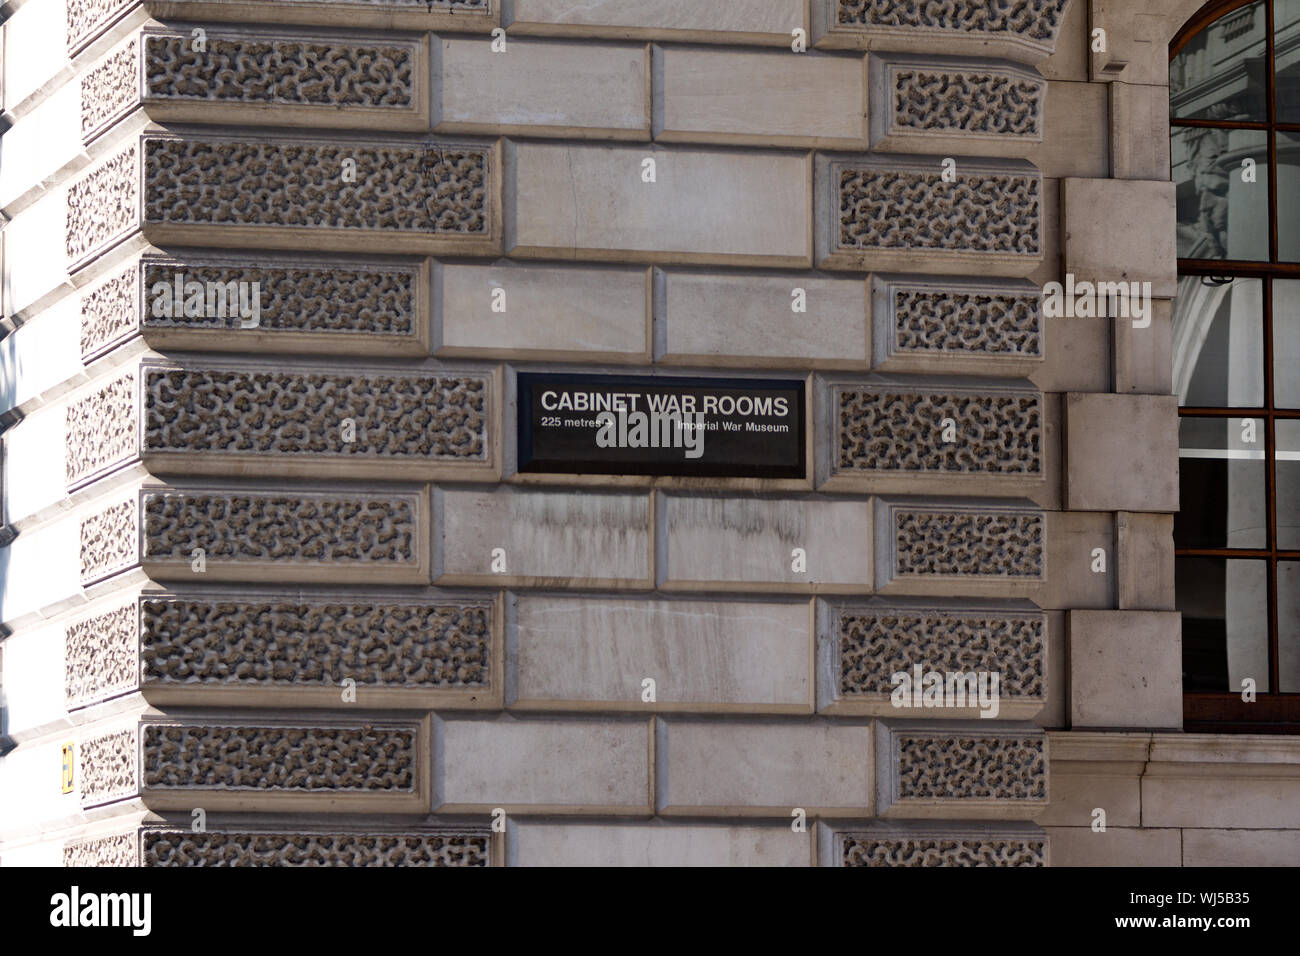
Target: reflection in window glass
(1221, 213)
(1286, 22)
(1286, 342)
(1224, 604)
(1221, 481)
(1219, 343)
(1288, 483)
(1288, 626)
(1220, 73)
(1288, 197)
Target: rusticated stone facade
(179, 848)
(867, 850)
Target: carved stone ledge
(867, 644)
(928, 326)
(377, 766)
(310, 536)
(930, 846)
(961, 771)
(974, 548)
(279, 193)
(1025, 30)
(947, 107)
(107, 766)
(465, 16)
(294, 421)
(885, 214)
(102, 431)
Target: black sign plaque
(660, 425)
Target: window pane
(1219, 343)
(1288, 626)
(1286, 21)
(1286, 342)
(1225, 623)
(1288, 484)
(1220, 74)
(1221, 213)
(1221, 483)
(1288, 197)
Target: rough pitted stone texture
(109, 541)
(108, 313)
(980, 323)
(107, 767)
(101, 656)
(875, 644)
(297, 413)
(103, 205)
(963, 767)
(300, 298)
(996, 213)
(109, 89)
(997, 544)
(886, 430)
(963, 101)
(117, 850)
(281, 71)
(907, 851)
(85, 17)
(336, 760)
(183, 848)
(1032, 19)
(282, 643)
(441, 190)
(234, 526)
(100, 430)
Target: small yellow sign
(68, 750)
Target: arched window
(1234, 84)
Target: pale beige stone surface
(594, 653)
(591, 202)
(1076, 135)
(553, 539)
(1227, 798)
(1241, 847)
(1126, 669)
(545, 88)
(1078, 577)
(1082, 846)
(1143, 356)
(543, 844)
(1139, 131)
(762, 99)
(1077, 791)
(1121, 453)
(1120, 231)
(749, 544)
(1070, 59)
(1145, 568)
(763, 769)
(549, 313)
(552, 766)
(704, 21)
(1078, 355)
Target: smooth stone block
(1126, 669)
(543, 844)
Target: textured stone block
(232, 420)
(1083, 846)
(1121, 453)
(748, 321)
(107, 767)
(118, 849)
(88, 19)
(748, 769)
(939, 770)
(703, 21)
(543, 89)
(920, 846)
(577, 844)
(1020, 29)
(463, 16)
(1145, 555)
(595, 654)
(755, 544)
(763, 99)
(376, 766)
(542, 312)
(1120, 231)
(1126, 669)
(861, 648)
(545, 539)
(973, 549)
(311, 306)
(101, 430)
(967, 107)
(291, 194)
(993, 328)
(264, 78)
(1241, 848)
(543, 766)
(260, 535)
(591, 202)
(897, 214)
(103, 207)
(278, 650)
